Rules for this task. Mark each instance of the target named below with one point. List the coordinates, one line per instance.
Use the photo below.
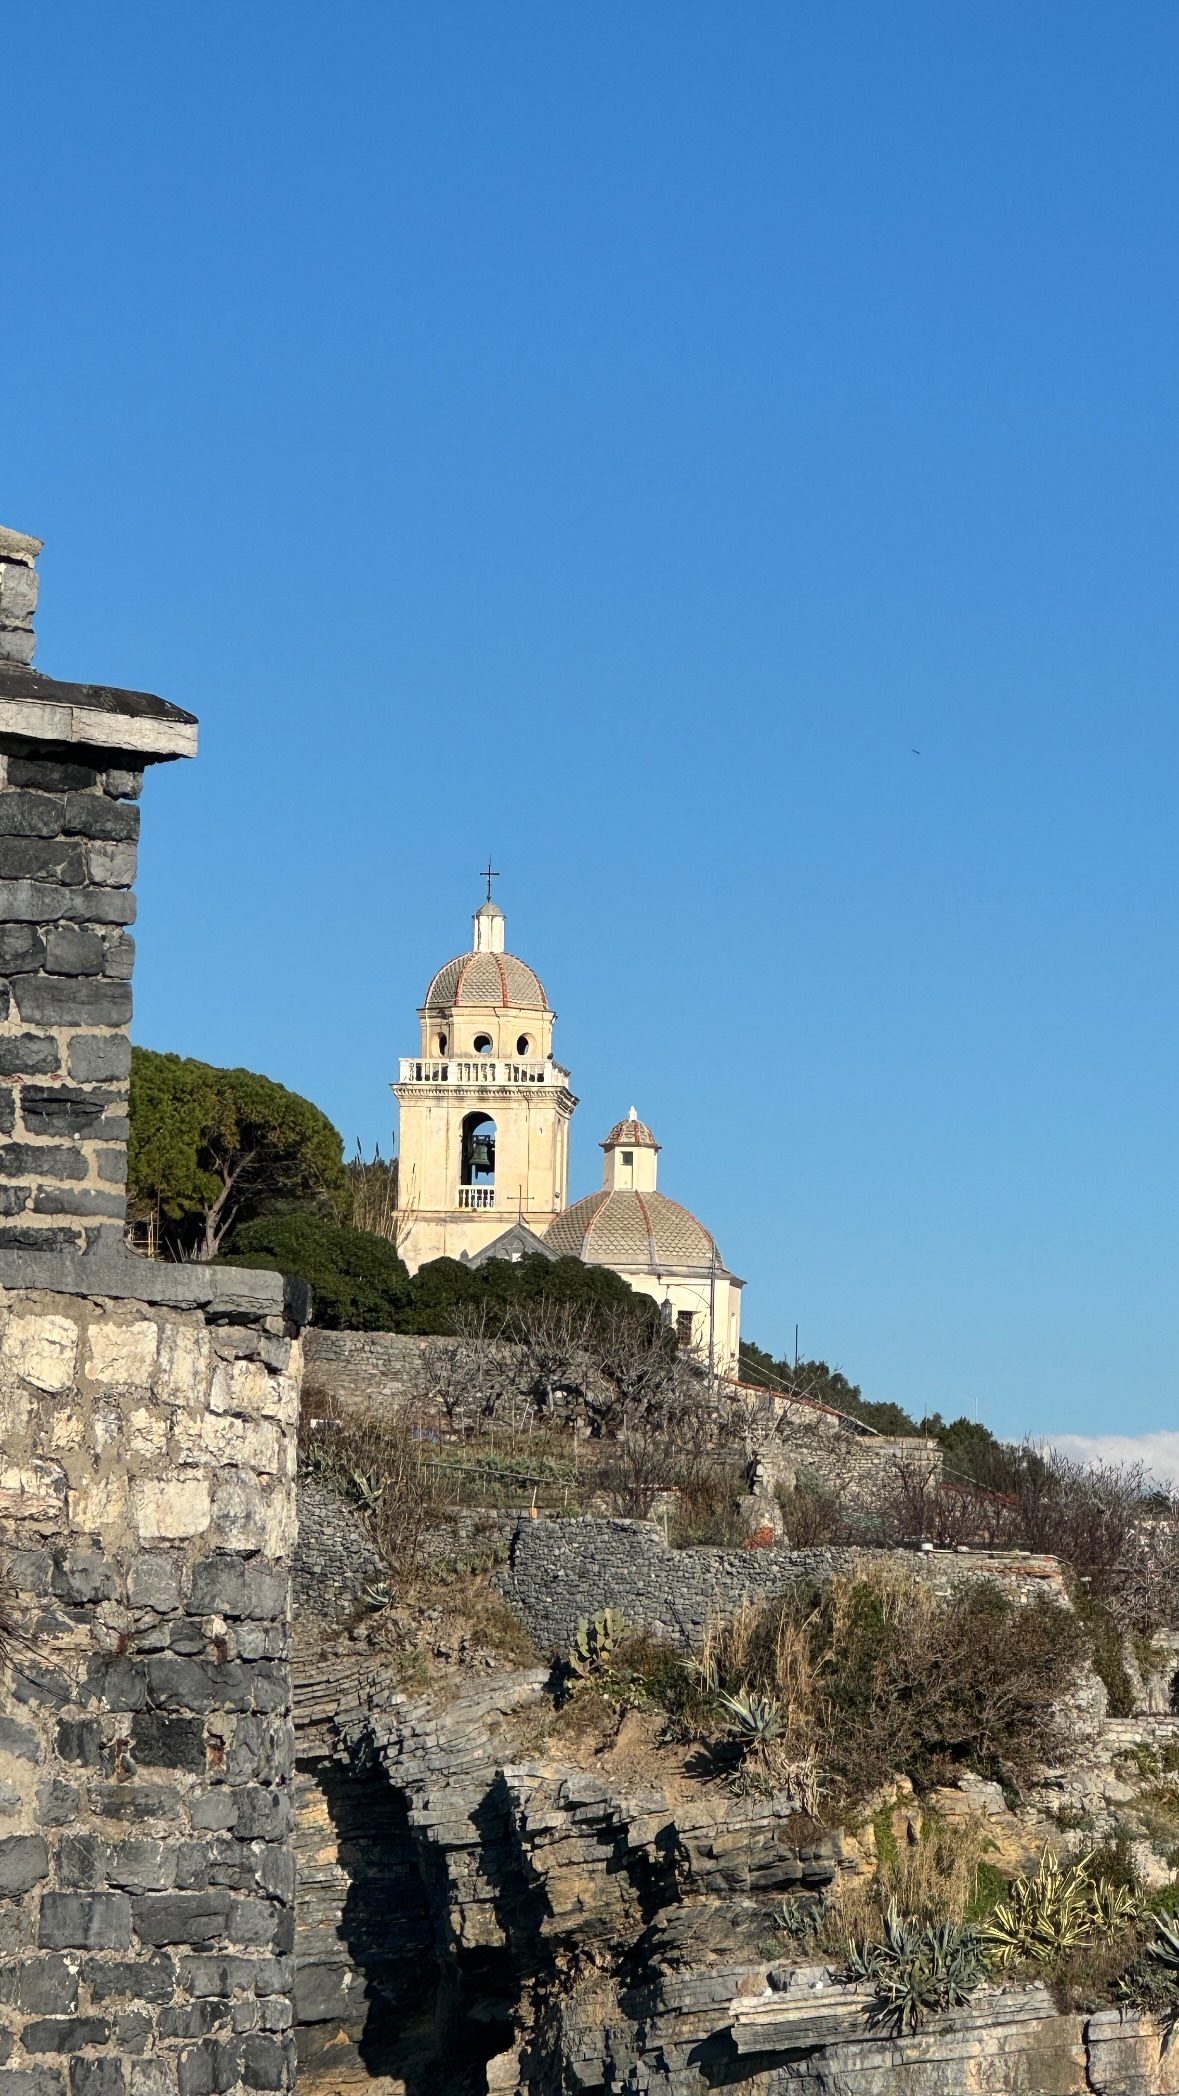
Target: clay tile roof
(487, 978)
(631, 1134)
(636, 1229)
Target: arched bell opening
(478, 1159)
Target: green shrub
(357, 1280)
(879, 1677)
(1105, 1650)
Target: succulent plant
(755, 1718)
(369, 1487)
(1054, 1910)
(595, 1645)
(919, 1969)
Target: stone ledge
(226, 1291)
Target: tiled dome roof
(630, 1134)
(632, 1229)
(486, 978)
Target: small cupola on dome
(631, 1151)
(489, 922)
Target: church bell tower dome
(485, 1110)
(487, 975)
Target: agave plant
(595, 1645)
(379, 1597)
(1152, 1981)
(800, 1919)
(1054, 1910)
(1165, 1948)
(369, 1487)
(755, 1718)
(918, 1970)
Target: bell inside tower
(478, 1149)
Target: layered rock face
(473, 1920)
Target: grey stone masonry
(146, 1867)
(147, 1506)
(18, 594)
(562, 1570)
(71, 768)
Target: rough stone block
(168, 1742)
(81, 1862)
(64, 2033)
(49, 774)
(85, 1921)
(72, 949)
(60, 1000)
(43, 859)
(141, 1865)
(153, 1581)
(264, 2063)
(139, 1802)
(31, 815)
(32, 1055)
(86, 1200)
(183, 1917)
(32, 1491)
(101, 1503)
(101, 2077)
(41, 1349)
(166, 1510)
(46, 1986)
(19, 1739)
(57, 1803)
(123, 785)
(119, 960)
(185, 1358)
(153, 2077)
(119, 1352)
(107, 865)
(24, 1861)
(61, 1109)
(22, 948)
(144, 1979)
(31, 2081)
(95, 1058)
(80, 1740)
(94, 815)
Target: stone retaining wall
(560, 1571)
(367, 1368)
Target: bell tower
(484, 1109)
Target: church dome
(486, 978)
(619, 1228)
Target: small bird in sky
(916, 753)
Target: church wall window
(483, 1044)
(523, 1045)
(683, 1327)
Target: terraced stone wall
(560, 1571)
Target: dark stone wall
(68, 834)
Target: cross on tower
(489, 874)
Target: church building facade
(484, 1154)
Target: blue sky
(620, 439)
